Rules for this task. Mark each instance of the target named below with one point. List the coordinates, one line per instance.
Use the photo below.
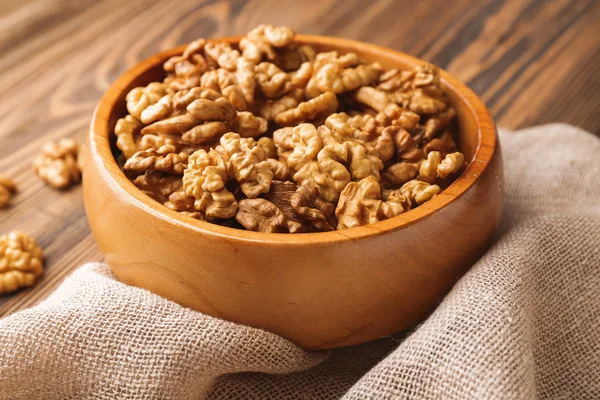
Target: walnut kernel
(21, 261)
(361, 204)
(320, 106)
(57, 164)
(451, 164)
(164, 159)
(7, 188)
(419, 191)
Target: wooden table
(533, 62)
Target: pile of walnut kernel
(275, 137)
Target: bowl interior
(475, 137)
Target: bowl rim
(125, 190)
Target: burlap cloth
(523, 323)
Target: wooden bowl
(319, 290)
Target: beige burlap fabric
(523, 323)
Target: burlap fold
(523, 323)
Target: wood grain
(532, 62)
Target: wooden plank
(532, 62)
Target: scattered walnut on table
(7, 188)
(57, 164)
(21, 261)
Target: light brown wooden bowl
(319, 290)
